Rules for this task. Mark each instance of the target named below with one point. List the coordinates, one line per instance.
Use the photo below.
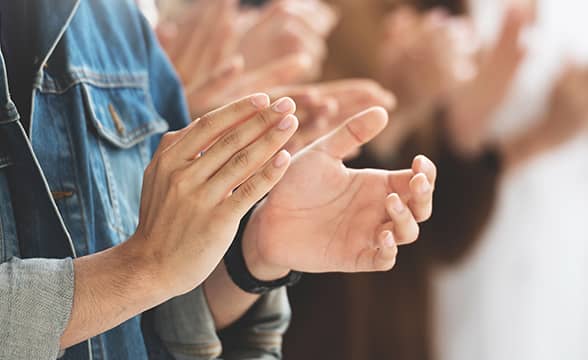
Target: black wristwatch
(239, 273)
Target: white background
(523, 294)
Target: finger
(357, 131)
(200, 134)
(247, 161)
(290, 69)
(193, 39)
(386, 252)
(167, 140)
(223, 39)
(254, 189)
(167, 33)
(421, 199)
(316, 16)
(399, 182)
(296, 39)
(404, 225)
(243, 135)
(202, 97)
(358, 92)
(421, 164)
(379, 257)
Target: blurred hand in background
(223, 52)
(423, 56)
(565, 118)
(470, 107)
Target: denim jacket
(70, 186)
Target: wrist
(147, 269)
(256, 258)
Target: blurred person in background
(522, 292)
(106, 214)
(223, 51)
(449, 87)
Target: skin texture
(185, 194)
(222, 52)
(323, 217)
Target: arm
(178, 243)
(35, 303)
(105, 298)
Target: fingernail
(281, 159)
(398, 205)
(389, 239)
(260, 101)
(424, 186)
(284, 105)
(424, 165)
(287, 122)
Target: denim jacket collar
(56, 16)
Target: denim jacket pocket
(125, 120)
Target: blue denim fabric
(99, 106)
(103, 95)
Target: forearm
(519, 150)
(110, 287)
(227, 302)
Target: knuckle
(168, 138)
(241, 159)
(265, 118)
(179, 182)
(206, 123)
(270, 138)
(164, 163)
(267, 175)
(231, 139)
(248, 189)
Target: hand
(471, 106)
(566, 117)
(201, 40)
(191, 205)
(231, 82)
(323, 217)
(424, 56)
(323, 107)
(287, 27)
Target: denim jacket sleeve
(36, 298)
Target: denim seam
(80, 196)
(111, 190)
(59, 85)
(136, 135)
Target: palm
(326, 217)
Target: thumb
(356, 131)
